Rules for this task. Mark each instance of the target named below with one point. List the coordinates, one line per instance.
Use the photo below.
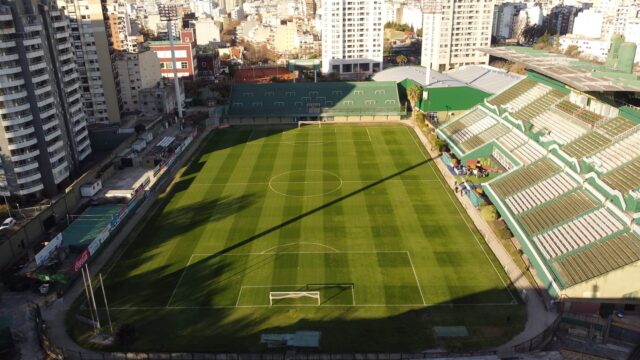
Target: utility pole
(169, 13)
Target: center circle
(305, 183)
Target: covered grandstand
(327, 101)
(572, 190)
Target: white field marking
(416, 276)
(303, 252)
(353, 300)
(238, 300)
(368, 135)
(310, 182)
(301, 242)
(302, 182)
(326, 305)
(463, 218)
(179, 280)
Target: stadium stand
(524, 177)
(574, 234)
(529, 152)
(617, 154)
(582, 114)
(601, 258)
(559, 127)
(625, 178)
(288, 102)
(586, 145)
(557, 211)
(541, 192)
(482, 138)
(511, 93)
(536, 108)
(527, 97)
(616, 126)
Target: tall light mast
(169, 13)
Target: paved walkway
(56, 313)
(538, 318)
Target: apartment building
(185, 52)
(352, 36)
(124, 31)
(453, 30)
(43, 135)
(94, 55)
(137, 71)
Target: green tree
(414, 94)
(489, 213)
(572, 50)
(401, 59)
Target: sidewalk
(538, 318)
(56, 313)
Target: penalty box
(375, 278)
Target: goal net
(279, 295)
(309, 122)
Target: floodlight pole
(104, 296)
(169, 13)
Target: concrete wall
(613, 285)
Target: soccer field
(342, 229)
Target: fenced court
(311, 228)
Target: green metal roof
(315, 99)
(452, 98)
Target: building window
(184, 65)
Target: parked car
(8, 222)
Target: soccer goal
(309, 122)
(279, 295)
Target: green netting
(452, 98)
(315, 99)
(87, 226)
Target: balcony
(12, 95)
(12, 83)
(43, 89)
(26, 167)
(16, 120)
(20, 132)
(35, 53)
(38, 65)
(84, 151)
(8, 56)
(60, 172)
(23, 144)
(34, 41)
(14, 109)
(35, 187)
(52, 134)
(48, 113)
(7, 44)
(11, 69)
(28, 177)
(57, 145)
(39, 78)
(25, 155)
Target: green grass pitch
(357, 213)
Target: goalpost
(278, 295)
(309, 122)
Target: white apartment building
(43, 134)
(92, 43)
(352, 36)
(453, 30)
(138, 71)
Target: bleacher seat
(528, 97)
(557, 211)
(600, 258)
(561, 128)
(616, 126)
(582, 231)
(617, 154)
(473, 129)
(625, 178)
(484, 137)
(524, 177)
(539, 106)
(512, 92)
(541, 192)
(586, 145)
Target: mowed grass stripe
(374, 200)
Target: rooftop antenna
(431, 22)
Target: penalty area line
(179, 281)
